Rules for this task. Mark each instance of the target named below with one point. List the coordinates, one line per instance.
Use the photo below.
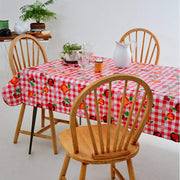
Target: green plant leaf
(68, 48)
(37, 12)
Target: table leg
(79, 120)
(32, 127)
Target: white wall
(101, 22)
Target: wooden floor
(16, 164)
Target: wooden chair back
(147, 45)
(109, 139)
(25, 51)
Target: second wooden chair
(26, 51)
(107, 143)
(147, 45)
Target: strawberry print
(92, 117)
(39, 105)
(166, 98)
(106, 93)
(31, 81)
(175, 137)
(51, 106)
(177, 107)
(105, 119)
(125, 116)
(157, 133)
(42, 74)
(66, 102)
(16, 95)
(50, 82)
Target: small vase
(20, 28)
(72, 57)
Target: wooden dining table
(56, 84)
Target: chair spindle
(99, 123)
(109, 120)
(22, 54)
(149, 45)
(37, 62)
(17, 56)
(136, 48)
(33, 54)
(142, 49)
(16, 66)
(27, 46)
(90, 129)
(120, 117)
(152, 53)
(134, 123)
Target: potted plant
(37, 12)
(71, 51)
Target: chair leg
(83, 172)
(130, 169)
(64, 168)
(112, 171)
(42, 117)
(20, 119)
(53, 133)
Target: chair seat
(86, 153)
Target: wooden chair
(107, 143)
(26, 51)
(147, 45)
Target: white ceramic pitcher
(122, 54)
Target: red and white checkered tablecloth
(55, 85)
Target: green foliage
(37, 11)
(68, 48)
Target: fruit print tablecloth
(55, 85)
